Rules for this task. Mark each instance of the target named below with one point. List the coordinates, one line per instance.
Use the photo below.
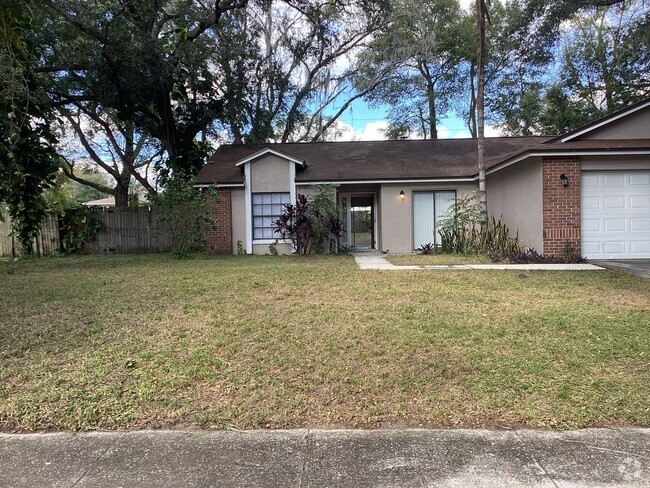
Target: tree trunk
(472, 100)
(121, 192)
(480, 111)
(432, 111)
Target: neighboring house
(102, 202)
(110, 201)
(589, 188)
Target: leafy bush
(183, 215)
(326, 222)
(571, 254)
(273, 248)
(428, 248)
(530, 256)
(77, 227)
(461, 232)
(310, 225)
(240, 249)
(344, 249)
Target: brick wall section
(561, 212)
(219, 239)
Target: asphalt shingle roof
(397, 160)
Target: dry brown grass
(270, 342)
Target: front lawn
(269, 342)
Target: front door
(358, 216)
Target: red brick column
(219, 239)
(561, 209)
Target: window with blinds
(429, 208)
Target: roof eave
(597, 124)
(268, 150)
(570, 152)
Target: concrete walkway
(328, 458)
(378, 261)
(638, 267)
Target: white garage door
(616, 214)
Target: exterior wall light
(565, 180)
(402, 195)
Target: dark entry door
(362, 213)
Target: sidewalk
(377, 261)
(328, 458)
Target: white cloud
(373, 131)
(492, 131)
(443, 132)
(465, 4)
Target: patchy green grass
(437, 259)
(269, 342)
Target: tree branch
(89, 149)
(345, 106)
(74, 20)
(213, 18)
(68, 170)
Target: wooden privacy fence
(129, 230)
(46, 242)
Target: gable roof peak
(267, 150)
(602, 122)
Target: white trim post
(248, 198)
(292, 182)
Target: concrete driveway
(639, 267)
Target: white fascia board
(265, 151)
(507, 163)
(625, 113)
(373, 182)
(547, 154)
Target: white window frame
(435, 223)
(286, 196)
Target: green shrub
(461, 232)
(428, 248)
(310, 225)
(77, 227)
(183, 215)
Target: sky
(363, 123)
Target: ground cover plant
(269, 342)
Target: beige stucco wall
(239, 226)
(620, 163)
(309, 191)
(396, 215)
(515, 193)
(237, 198)
(264, 248)
(635, 126)
(270, 174)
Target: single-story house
(589, 188)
